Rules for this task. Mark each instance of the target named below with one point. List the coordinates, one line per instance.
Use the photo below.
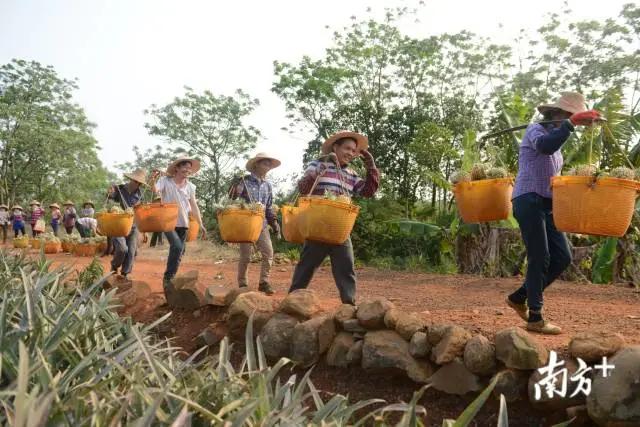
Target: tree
(47, 150)
(211, 128)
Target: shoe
(521, 309)
(265, 288)
(544, 327)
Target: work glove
(585, 118)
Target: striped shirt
(36, 214)
(535, 168)
(332, 180)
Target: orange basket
(240, 225)
(52, 247)
(84, 249)
(101, 247)
(600, 207)
(34, 243)
(326, 221)
(67, 246)
(484, 201)
(114, 224)
(290, 219)
(156, 217)
(194, 228)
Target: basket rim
(154, 205)
(608, 181)
(484, 182)
(334, 203)
(116, 214)
(242, 212)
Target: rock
(391, 318)
(245, 304)
(615, 400)
(355, 353)
(519, 350)
(408, 324)
(302, 304)
(311, 339)
(555, 402)
(142, 289)
(419, 345)
(455, 378)
(212, 334)
(343, 313)
(197, 313)
(593, 346)
(512, 384)
(371, 313)
(436, 332)
(421, 371)
(480, 356)
(451, 345)
(277, 335)
(353, 326)
(222, 296)
(115, 281)
(337, 354)
(187, 293)
(126, 298)
(385, 349)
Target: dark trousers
(177, 243)
(548, 253)
(84, 231)
(313, 253)
(17, 229)
(156, 239)
(69, 230)
(55, 227)
(125, 252)
(4, 232)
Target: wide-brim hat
(17, 207)
(4, 206)
(251, 163)
(54, 205)
(89, 202)
(68, 203)
(34, 202)
(571, 102)
(195, 165)
(138, 175)
(362, 142)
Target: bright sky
(128, 54)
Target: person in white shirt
(87, 226)
(4, 221)
(176, 188)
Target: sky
(129, 54)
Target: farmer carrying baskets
(56, 218)
(69, 216)
(17, 220)
(36, 218)
(175, 187)
(540, 159)
(331, 174)
(254, 188)
(128, 195)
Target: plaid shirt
(260, 191)
(535, 169)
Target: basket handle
(244, 184)
(342, 185)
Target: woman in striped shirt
(340, 149)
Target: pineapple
(459, 176)
(623, 173)
(478, 172)
(495, 173)
(583, 170)
(637, 174)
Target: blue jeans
(55, 226)
(548, 253)
(125, 251)
(177, 244)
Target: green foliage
(604, 261)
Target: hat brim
(133, 178)
(54, 206)
(195, 166)
(251, 163)
(557, 106)
(362, 142)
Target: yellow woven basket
(194, 228)
(600, 207)
(290, 228)
(240, 225)
(484, 201)
(326, 221)
(21, 243)
(114, 224)
(156, 217)
(34, 243)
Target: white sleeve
(161, 184)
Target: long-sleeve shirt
(257, 190)
(4, 217)
(56, 216)
(87, 212)
(540, 158)
(336, 181)
(17, 217)
(37, 214)
(128, 200)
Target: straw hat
(89, 202)
(68, 203)
(362, 142)
(138, 175)
(54, 205)
(4, 206)
(195, 165)
(251, 163)
(34, 203)
(16, 207)
(571, 102)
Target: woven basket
(67, 246)
(290, 219)
(194, 228)
(114, 224)
(84, 249)
(240, 225)
(34, 243)
(21, 244)
(484, 201)
(156, 217)
(326, 221)
(102, 246)
(52, 247)
(600, 207)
